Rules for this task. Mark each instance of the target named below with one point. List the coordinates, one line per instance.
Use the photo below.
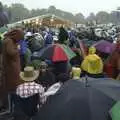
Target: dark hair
(63, 77)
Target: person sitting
(30, 87)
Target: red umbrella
(57, 53)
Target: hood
(15, 34)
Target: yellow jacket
(92, 64)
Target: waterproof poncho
(92, 63)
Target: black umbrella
(75, 101)
(108, 86)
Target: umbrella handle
(86, 81)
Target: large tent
(49, 20)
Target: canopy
(3, 18)
(104, 46)
(3, 29)
(75, 101)
(56, 53)
(115, 111)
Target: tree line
(19, 12)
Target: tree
(79, 18)
(18, 12)
(37, 12)
(115, 16)
(1, 7)
(52, 9)
(103, 17)
(91, 17)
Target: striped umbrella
(56, 53)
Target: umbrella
(3, 29)
(56, 53)
(3, 18)
(108, 86)
(75, 101)
(104, 46)
(115, 111)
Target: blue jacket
(23, 47)
(48, 39)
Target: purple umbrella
(104, 46)
(3, 18)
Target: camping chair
(25, 107)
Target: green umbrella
(115, 111)
(68, 51)
(3, 29)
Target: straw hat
(29, 74)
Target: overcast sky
(74, 6)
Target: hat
(28, 34)
(29, 74)
(15, 34)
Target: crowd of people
(23, 73)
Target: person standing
(63, 36)
(11, 61)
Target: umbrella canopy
(3, 29)
(56, 53)
(104, 46)
(115, 111)
(3, 18)
(75, 101)
(108, 86)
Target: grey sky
(74, 6)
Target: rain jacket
(92, 64)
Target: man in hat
(30, 87)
